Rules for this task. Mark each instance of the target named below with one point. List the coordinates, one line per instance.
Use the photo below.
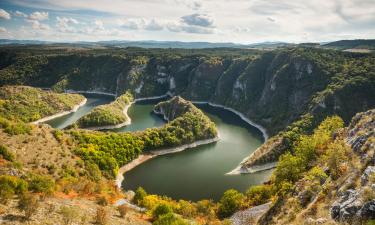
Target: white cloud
(36, 25)
(20, 14)
(271, 19)
(4, 14)
(196, 19)
(220, 20)
(3, 30)
(40, 16)
(132, 24)
(99, 25)
(154, 25)
(64, 24)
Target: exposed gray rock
(249, 216)
(370, 171)
(347, 206)
(368, 210)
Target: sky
(238, 21)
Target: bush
(69, 214)
(161, 209)
(169, 219)
(258, 195)
(29, 204)
(18, 128)
(231, 202)
(140, 194)
(10, 185)
(335, 156)
(122, 209)
(101, 216)
(289, 169)
(93, 171)
(6, 154)
(42, 184)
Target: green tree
(229, 203)
(140, 194)
(161, 209)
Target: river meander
(195, 173)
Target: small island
(109, 116)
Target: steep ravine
(274, 89)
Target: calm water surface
(195, 173)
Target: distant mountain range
(341, 45)
(149, 44)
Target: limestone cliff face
(273, 88)
(174, 108)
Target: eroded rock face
(249, 216)
(367, 174)
(355, 205)
(347, 206)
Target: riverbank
(147, 156)
(47, 118)
(109, 127)
(241, 115)
(125, 112)
(240, 169)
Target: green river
(195, 173)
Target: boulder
(369, 171)
(347, 206)
(367, 212)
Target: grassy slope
(109, 114)
(28, 104)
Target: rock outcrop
(355, 205)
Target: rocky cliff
(273, 88)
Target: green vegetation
(6, 154)
(111, 150)
(14, 128)
(27, 104)
(109, 114)
(231, 202)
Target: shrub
(258, 195)
(335, 156)
(101, 216)
(69, 214)
(140, 194)
(58, 134)
(230, 203)
(29, 204)
(169, 219)
(42, 184)
(18, 128)
(102, 200)
(10, 185)
(122, 209)
(161, 209)
(289, 168)
(6, 154)
(186, 209)
(93, 171)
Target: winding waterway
(193, 174)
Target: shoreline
(149, 155)
(125, 112)
(109, 127)
(89, 92)
(236, 171)
(252, 169)
(239, 169)
(241, 115)
(74, 109)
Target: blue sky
(240, 21)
